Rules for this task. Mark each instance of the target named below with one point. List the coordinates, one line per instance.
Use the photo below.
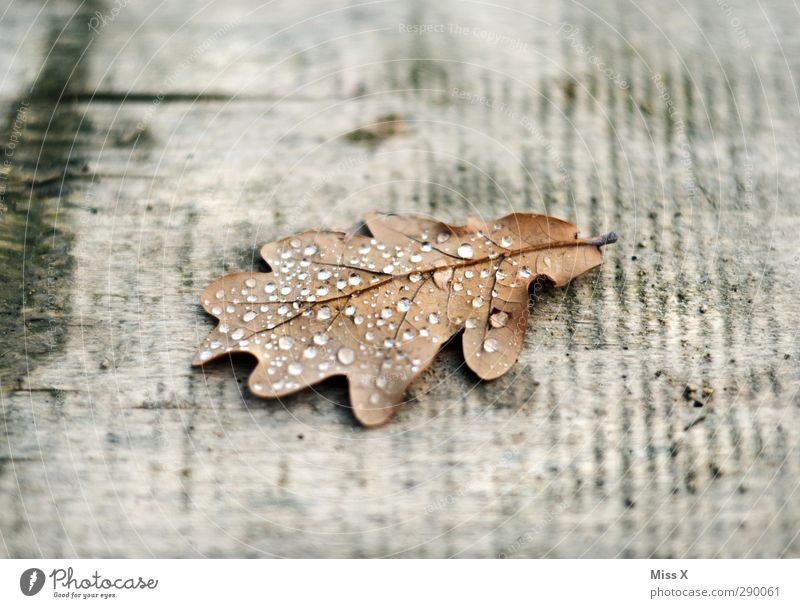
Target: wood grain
(654, 408)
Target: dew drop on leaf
(346, 356)
(295, 368)
(498, 319)
(490, 345)
(285, 342)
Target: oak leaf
(377, 309)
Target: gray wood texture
(150, 147)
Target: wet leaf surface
(378, 309)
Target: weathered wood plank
(164, 148)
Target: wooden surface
(654, 410)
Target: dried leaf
(377, 309)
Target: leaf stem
(605, 239)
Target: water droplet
(324, 275)
(350, 310)
(525, 272)
(389, 269)
(215, 344)
(286, 290)
(250, 282)
(320, 339)
(310, 250)
(499, 319)
(324, 313)
(506, 241)
(442, 237)
(415, 258)
(270, 287)
(387, 313)
(237, 334)
(471, 323)
(295, 368)
(295, 243)
(490, 345)
(346, 355)
(404, 305)
(426, 247)
(358, 319)
(341, 284)
(322, 291)
(230, 309)
(547, 261)
(469, 274)
(223, 329)
(248, 316)
(477, 301)
(285, 342)
(375, 398)
(220, 294)
(500, 275)
(408, 334)
(206, 355)
(355, 279)
(442, 277)
(415, 277)
(217, 311)
(465, 250)
(433, 318)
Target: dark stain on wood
(35, 260)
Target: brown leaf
(377, 309)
